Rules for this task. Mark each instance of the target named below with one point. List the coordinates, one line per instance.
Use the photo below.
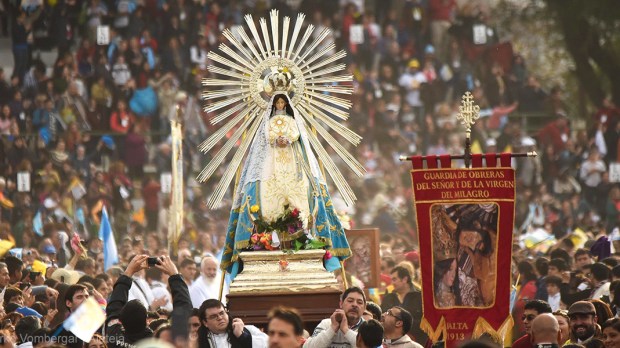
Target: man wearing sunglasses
(531, 310)
(397, 322)
(407, 296)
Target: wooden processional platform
(276, 278)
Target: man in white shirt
(158, 284)
(207, 286)
(411, 80)
(591, 173)
(140, 290)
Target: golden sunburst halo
(255, 67)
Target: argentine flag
(110, 253)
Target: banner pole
(462, 157)
(222, 286)
(344, 275)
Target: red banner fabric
(491, 159)
(431, 161)
(417, 162)
(465, 219)
(476, 160)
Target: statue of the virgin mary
(281, 157)
(281, 170)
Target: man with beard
(340, 330)
(583, 327)
(207, 286)
(407, 296)
(396, 324)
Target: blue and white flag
(110, 253)
(86, 320)
(37, 224)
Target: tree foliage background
(572, 43)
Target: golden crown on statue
(280, 80)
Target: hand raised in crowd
(137, 264)
(51, 293)
(237, 326)
(51, 313)
(29, 298)
(167, 266)
(97, 295)
(159, 302)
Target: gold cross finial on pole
(468, 112)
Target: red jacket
(120, 122)
(523, 342)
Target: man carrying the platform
(396, 324)
(370, 334)
(218, 330)
(407, 296)
(340, 330)
(285, 328)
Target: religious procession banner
(465, 219)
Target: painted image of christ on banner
(464, 254)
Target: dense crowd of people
(92, 131)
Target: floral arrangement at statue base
(286, 233)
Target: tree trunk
(595, 65)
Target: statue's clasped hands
(282, 142)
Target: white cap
(528, 141)
(491, 142)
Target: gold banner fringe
(434, 334)
(481, 327)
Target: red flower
(295, 213)
(327, 255)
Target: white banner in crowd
(166, 182)
(614, 172)
(23, 182)
(103, 35)
(356, 34)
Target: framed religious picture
(364, 263)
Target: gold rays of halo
(239, 95)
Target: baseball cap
(39, 267)
(49, 249)
(413, 256)
(581, 307)
(26, 311)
